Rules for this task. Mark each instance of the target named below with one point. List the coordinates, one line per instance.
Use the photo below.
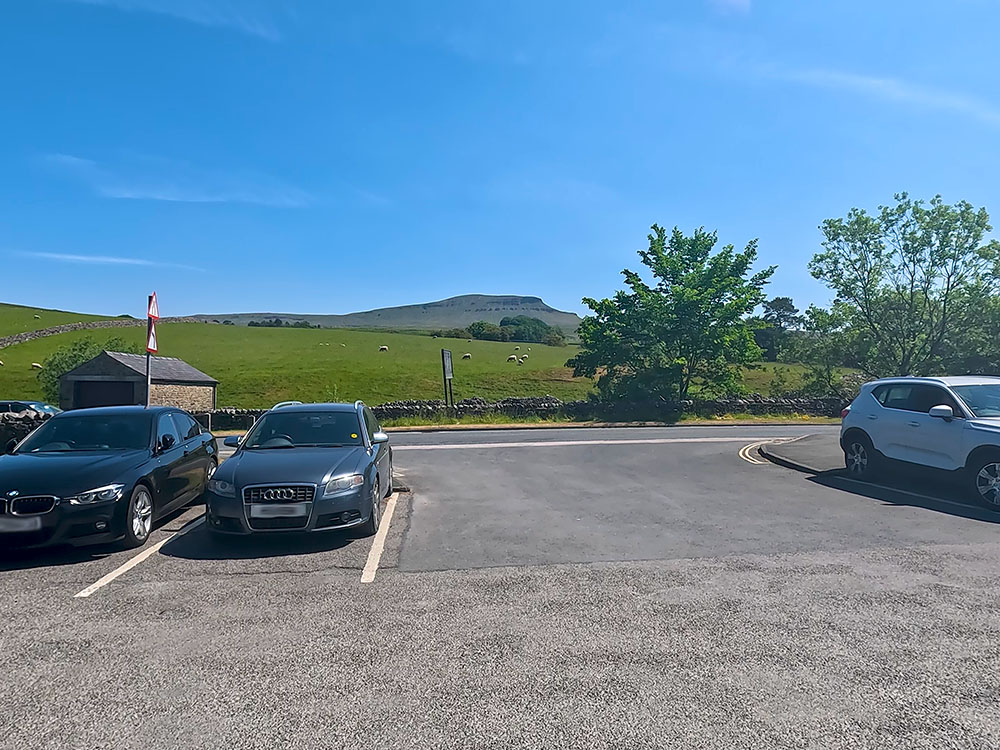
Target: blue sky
(322, 156)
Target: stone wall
(192, 398)
(16, 427)
(20, 338)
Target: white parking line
(938, 500)
(375, 554)
(144, 555)
(570, 443)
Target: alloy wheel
(142, 515)
(857, 459)
(988, 483)
(376, 506)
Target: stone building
(116, 379)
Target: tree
(771, 329)
(69, 356)
(898, 274)
(826, 345)
(487, 331)
(782, 313)
(655, 342)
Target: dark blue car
(101, 475)
(303, 467)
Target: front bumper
(64, 524)
(230, 515)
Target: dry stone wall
(20, 338)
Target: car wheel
(860, 458)
(390, 489)
(375, 517)
(984, 476)
(139, 518)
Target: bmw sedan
(303, 468)
(101, 475)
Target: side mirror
(232, 441)
(942, 411)
(166, 442)
(9, 448)
(380, 437)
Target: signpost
(449, 373)
(152, 315)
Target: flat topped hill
(454, 312)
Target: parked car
(101, 475)
(950, 424)
(17, 407)
(303, 468)
(44, 408)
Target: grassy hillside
(18, 319)
(455, 312)
(260, 366)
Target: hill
(20, 319)
(454, 312)
(258, 367)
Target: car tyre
(369, 527)
(983, 479)
(860, 457)
(138, 517)
(391, 488)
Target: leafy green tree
(654, 341)
(72, 355)
(827, 344)
(782, 313)
(898, 275)
(532, 330)
(487, 331)
(771, 329)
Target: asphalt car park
(545, 588)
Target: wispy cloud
(239, 15)
(889, 89)
(106, 260)
(152, 178)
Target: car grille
(31, 506)
(297, 493)
(267, 524)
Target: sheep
(344, 345)
(467, 355)
(36, 366)
(517, 348)
(529, 348)
(38, 317)
(524, 357)
(519, 363)
(383, 348)
(512, 358)
(1, 363)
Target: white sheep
(36, 366)
(529, 348)
(467, 355)
(519, 363)
(517, 348)
(512, 358)
(1, 363)
(524, 357)
(344, 345)
(38, 317)
(383, 348)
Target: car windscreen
(983, 400)
(279, 429)
(89, 433)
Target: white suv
(952, 424)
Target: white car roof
(947, 380)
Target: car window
(186, 426)
(895, 395)
(983, 400)
(371, 424)
(68, 432)
(286, 429)
(923, 397)
(166, 426)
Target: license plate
(278, 511)
(32, 523)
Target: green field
(257, 367)
(18, 319)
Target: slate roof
(163, 369)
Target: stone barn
(116, 379)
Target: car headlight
(107, 494)
(221, 488)
(340, 484)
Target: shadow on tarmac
(200, 544)
(929, 490)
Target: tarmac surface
(607, 588)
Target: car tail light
(845, 412)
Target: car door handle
(914, 424)
(872, 417)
